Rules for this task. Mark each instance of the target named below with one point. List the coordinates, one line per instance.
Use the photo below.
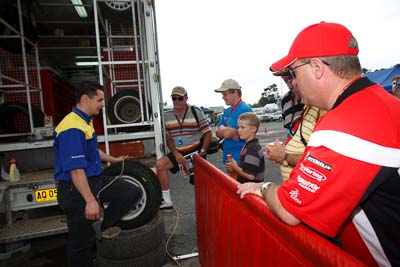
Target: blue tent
(384, 77)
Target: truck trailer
(46, 49)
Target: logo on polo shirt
(294, 195)
(307, 185)
(318, 162)
(312, 173)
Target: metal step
(32, 228)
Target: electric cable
(105, 187)
(170, 237)
(112, 181)
(190, 157)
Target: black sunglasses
(177, 98)
(292, 73)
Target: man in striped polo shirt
(187, 131)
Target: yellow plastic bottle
(14, 172)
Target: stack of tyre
(142, 240)
(142, 246)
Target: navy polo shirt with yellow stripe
(75, 146)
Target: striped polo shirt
(295, 146)
(185, 132)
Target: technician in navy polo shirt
(78, 168)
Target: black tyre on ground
(134, 243)
(14, 117)
(142, 176)
(124, 108)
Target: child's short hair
(251, 118)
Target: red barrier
(243, 232)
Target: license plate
(46, 195)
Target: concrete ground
(48, 252)
(183, 241)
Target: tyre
(134, 243)
(155, 258)
(124, 108)
(116, 11)
(143, 177)
(14, 117)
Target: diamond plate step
(32, 228)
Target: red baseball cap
(319, 40)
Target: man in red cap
(301, 125)
(347, 183)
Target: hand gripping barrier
(243, 232)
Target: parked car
(276, 116)
(262, 115)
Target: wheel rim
(119, 5)
(138, 209)
(127, 109)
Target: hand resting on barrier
(253, 188)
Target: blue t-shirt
(232, 146)
(75, 146)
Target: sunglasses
(177, 98)
(292, 74)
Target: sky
(202, 43)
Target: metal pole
(96, 23)
(186, 256)
(28, 94)
(39, 77)
(138, 66)
(154, 77)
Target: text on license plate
(45, 195)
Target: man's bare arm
(206, 140)
(79, 179)
(227, 132)
(108, 158)
(271, 197)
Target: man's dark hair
(86, 88)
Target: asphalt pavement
(183, 218)
(180, 223)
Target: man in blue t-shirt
(78, 172)
(227, 125)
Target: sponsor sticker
(312, 173)
(307, 185)
(318, 162)
(294, 194)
